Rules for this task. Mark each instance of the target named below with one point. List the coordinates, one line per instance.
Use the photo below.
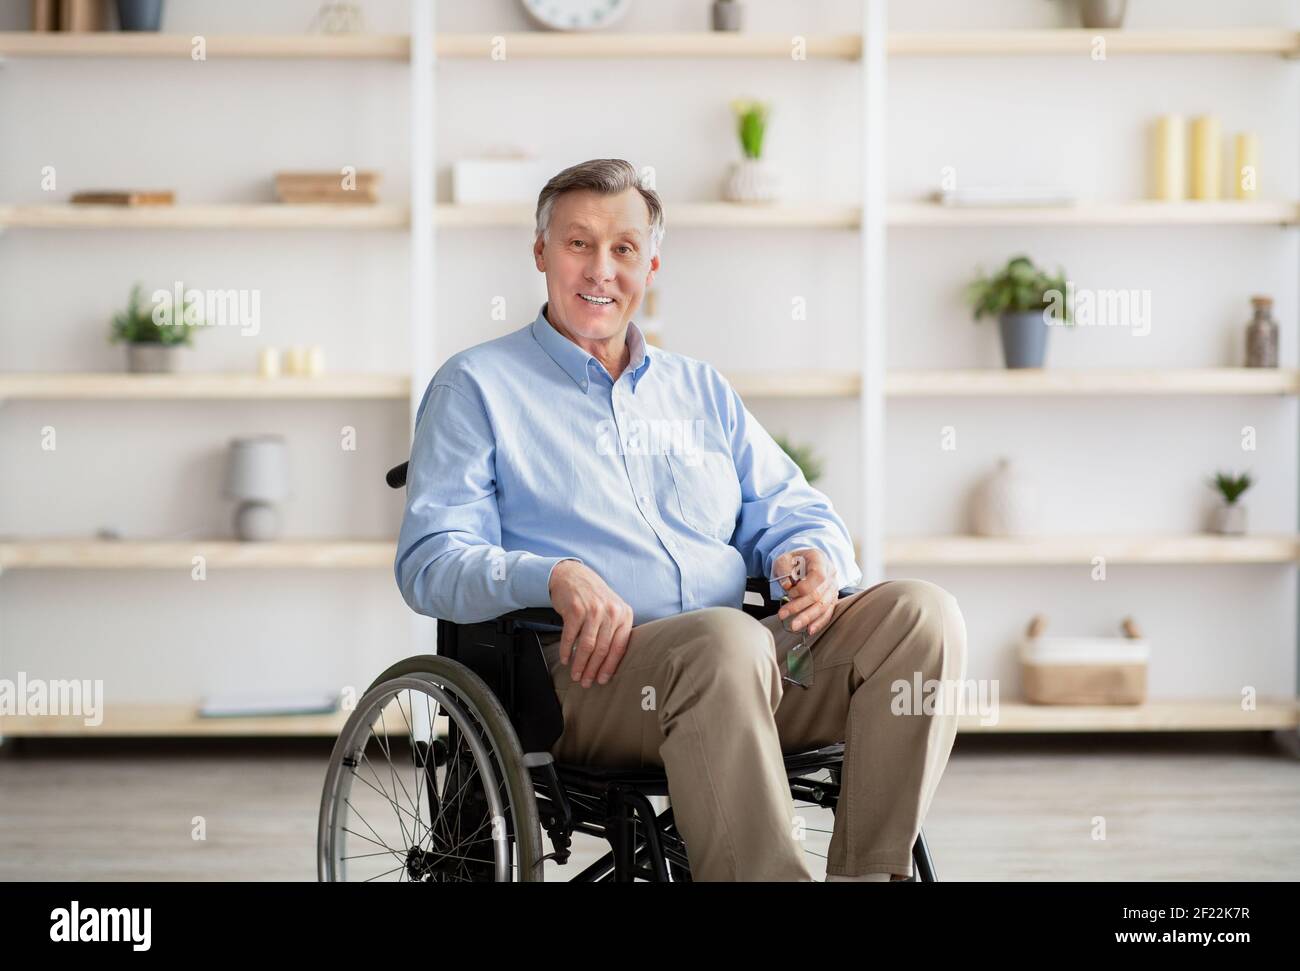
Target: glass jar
(1261, 335)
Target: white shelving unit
(873, 219)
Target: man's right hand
(597, 622)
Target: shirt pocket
(708, 491)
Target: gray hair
(606, 176)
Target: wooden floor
(1197, 807)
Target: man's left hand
(813, 589)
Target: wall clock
(576, 14)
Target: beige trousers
(701, 695)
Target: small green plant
(1231, 486)
(1019, 287)
(751, 125)
(137, 325)
(803, 456)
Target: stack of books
(317, 187)
(124, 197)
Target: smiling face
(597, 262)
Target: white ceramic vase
(752, 180)
(1230, 520)
(1006, 503)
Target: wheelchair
(443, 772)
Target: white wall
(216, 131)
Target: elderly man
(568, 464)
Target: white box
(493, 180)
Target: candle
(1246, 171)
(1170, 168)
(268, 362)
(315, 360)
(295, 360)
(1205, 157)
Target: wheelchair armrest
(762, 586)
(544, 619)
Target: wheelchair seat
(653, 782)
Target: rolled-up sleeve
(450, 563)
(780, 511)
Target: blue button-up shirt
(527, 453)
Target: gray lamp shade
(257, 469)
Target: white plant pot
(752, 180)
(1006, 503)
(1230, 520)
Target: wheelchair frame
(610, 803)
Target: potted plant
(153, 334)
(1024, 299)
(803, 456)
(1229, 515)
(751, 179)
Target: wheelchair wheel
(405, 803)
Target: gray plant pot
(139, 14)
(728, 14)
(1229, 520)
(153, 357)
(1024, 338)
(1102, 14)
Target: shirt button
(645, 500)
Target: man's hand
(597, 622)
(813, 588)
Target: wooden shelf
(160, 721)
(685, 215)
(182, 721)
(91, 554)
(795, 384)
(988, 382)
(1190, 548)
(225, 216)
(200, 386)
(820, 215)
(1193, 715)
(1046, 381)
(683, 44)
(1241, 40)
(607, 45)
(1140, 212)
(391, 47)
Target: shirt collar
(576, 362)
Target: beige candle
(1170, 158)
(1245, 172)
(295, 360)
(315, 360)
(1206, 157)
(268, 362)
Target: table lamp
(257, 477)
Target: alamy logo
(946, 696)
(1099, 308)
(653, 436)
(40, 697)
(212, 308)
(132, 924)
